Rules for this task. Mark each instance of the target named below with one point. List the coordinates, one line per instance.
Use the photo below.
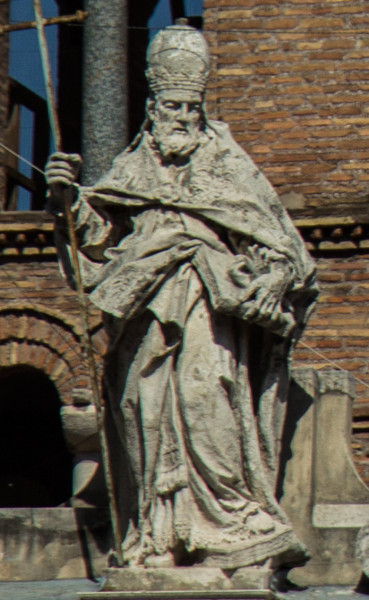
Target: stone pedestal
(179, 595)
(183, 582)
(322, 493)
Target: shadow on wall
(35, 466)
(298, 404)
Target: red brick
(357, 276)
(335, 310)
(332, 343)
(357, 342)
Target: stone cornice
(26, 234)
(30, 234)
(334, 234)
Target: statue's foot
(160, 560)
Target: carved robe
(197, 392)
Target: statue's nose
(183, 114)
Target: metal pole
(81, 299)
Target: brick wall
(338, 336)
(40, 325)
(3, 89)
(292, 79)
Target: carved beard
(172, 143)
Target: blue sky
(25, 67)
(25, 62)
(162, 17)
(24, 58)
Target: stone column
(104, 88)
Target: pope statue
(204, 284)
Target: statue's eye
(170, 105)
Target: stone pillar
(82, 438)
(104, 88)
(323, 495)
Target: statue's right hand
(61, 172)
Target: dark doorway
(35, 466)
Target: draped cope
(197, 391)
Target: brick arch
(45, 342)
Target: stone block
(322, 493)
(137, 579)
(38, 544)
(193, 583)
(180, 595)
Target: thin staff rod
(55, 128)
(78, 17)
(46, 68)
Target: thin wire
(331, 362)
(75, 446)
(94, 377)
(251, 30)
(22, 158)
(319, 33)
(304, 344)
(11, 278)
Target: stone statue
(204, 283)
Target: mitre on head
(178, 59)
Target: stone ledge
(185, 579)
(180, 594)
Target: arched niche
(35, 465)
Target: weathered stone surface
(52, 543)
(180, 595)
(156, 579)
(185, 578)
(204, 281)
(80, 428)
(362, 548)
(323, 494)
(251, 578)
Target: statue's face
(177, 119)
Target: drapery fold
(168, 253)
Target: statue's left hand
(262, 303)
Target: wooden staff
(78, 17)
(55, 128)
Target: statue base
(183, 582)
